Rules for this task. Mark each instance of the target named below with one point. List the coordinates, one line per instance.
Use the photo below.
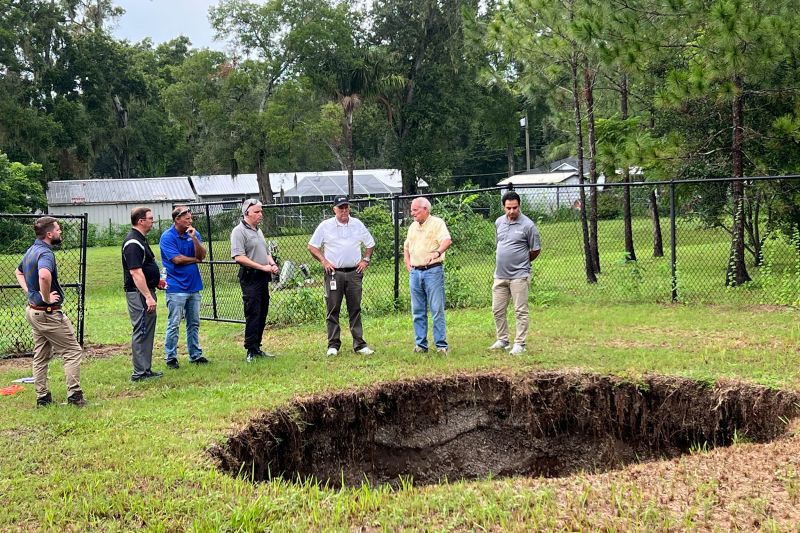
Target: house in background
(550, 188)
(110, 201)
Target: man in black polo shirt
(141, 278)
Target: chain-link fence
(16, 235)
(678, 247)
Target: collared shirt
(249, 242)
(341, 243)
(425, 238)
(515, 240)
(40, 256)
(180, 278)
(136, 253)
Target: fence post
(396, 221)
(82, 289)
(673, 239)
(211, 264)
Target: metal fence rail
(680, 231)
(16, 235)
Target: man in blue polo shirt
(181, 249)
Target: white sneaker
(499, 345)
(366, 350)
(516, 350)
(331, 351)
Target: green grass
(135, 458)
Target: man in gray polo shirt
(256, 267)
(517, 245)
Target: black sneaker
(262, 353)
(76, 399)
(199, 361)
(251, 355)
(149, 374)
(173, 363)
(45, 400)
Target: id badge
(333, 283)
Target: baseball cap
(340, 200)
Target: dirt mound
(470, 426)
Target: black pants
(349, 287)
(255, 296)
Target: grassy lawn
(136, 456)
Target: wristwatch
(365, 259)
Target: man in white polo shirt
(336, 243)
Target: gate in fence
(16, 235)
(679, 233)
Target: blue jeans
(178, 304)
(427, 292)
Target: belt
(348, 269)
(46, 309)
(428, 267)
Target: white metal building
(110, 201)
(537, 195)
(297, 186)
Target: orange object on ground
(11, 389)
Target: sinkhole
(547, 424)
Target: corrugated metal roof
(144, 190)
(331, 185)
(538, 179)
(247, 184)
(224, 184)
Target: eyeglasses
(149, 218)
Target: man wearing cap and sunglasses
(341, 238)
(181, 249)
(256, 267)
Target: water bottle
(162, 282)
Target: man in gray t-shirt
(517, 245)
(256, 267)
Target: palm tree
(355, 76)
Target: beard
(55, 241)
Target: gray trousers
(349, 286)
(144, 330)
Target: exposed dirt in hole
(549, 424)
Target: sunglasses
(183, 212)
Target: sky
(163, 20)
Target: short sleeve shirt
(341, 243)
(40, 256)
(136, 253)
(515, 240)
(422, 239)
(249, 242)
(180, 278)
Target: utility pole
(523, 122)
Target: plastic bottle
(162, 282)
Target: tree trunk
(752, 226)
(262, 176)
(588, 89)
(348, 138)
(630, 252)
(658, 243)
(737, 270)
(510, 158)
(576, 106)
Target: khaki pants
(516, 291)
(53, 335)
